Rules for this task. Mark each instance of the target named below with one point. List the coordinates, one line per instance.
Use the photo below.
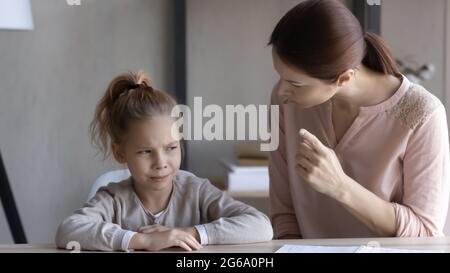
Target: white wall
(229, 62)
(416, 30)
(51, 78)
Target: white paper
(346, 249)
(367, 249)
(315, 249)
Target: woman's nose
(282, 91)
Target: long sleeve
(92, 226)
(282, 212)
(228, 221)
(426, 180)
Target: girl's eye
(296, 85)
(173, 148)
(144, 152)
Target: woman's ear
(345, 77)
(118, 153)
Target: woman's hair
(324, 39)
(128, 97)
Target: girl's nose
(161, 167)
(160, 162)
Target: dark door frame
(9, 205)
(180, 70)
(368, 13)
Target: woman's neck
(367, 88)
(154, 200)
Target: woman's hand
(157, 237)
(319, 166)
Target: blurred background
(55, 67)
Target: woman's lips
(285, 100)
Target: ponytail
(128, 97)
(378, 57)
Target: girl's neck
(154, 201)
(368, 88)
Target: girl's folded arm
(230, 221)
(92, 226)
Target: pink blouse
(398, 149)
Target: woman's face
(297, 87)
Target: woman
(363, 152)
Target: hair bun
(134, 86)
(141, 79)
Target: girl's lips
(159, 177)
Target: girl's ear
(345, 77)
(118, 153)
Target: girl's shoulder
(122, 189)
(186, 178)
(188, 182)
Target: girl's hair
(128, 97)
(324, 39)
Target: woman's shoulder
(416, 106)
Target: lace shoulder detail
(414, 107)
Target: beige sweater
(108, 221)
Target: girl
(372, 158)
(159, 206)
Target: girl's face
(152, 154)
(297, 87)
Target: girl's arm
(229, 221)
(168, 237)
(93, 228)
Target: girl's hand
(158, 240)
(153, 228)
(158, 228)
(319, 166)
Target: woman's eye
(144, 152)
(173, 148)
